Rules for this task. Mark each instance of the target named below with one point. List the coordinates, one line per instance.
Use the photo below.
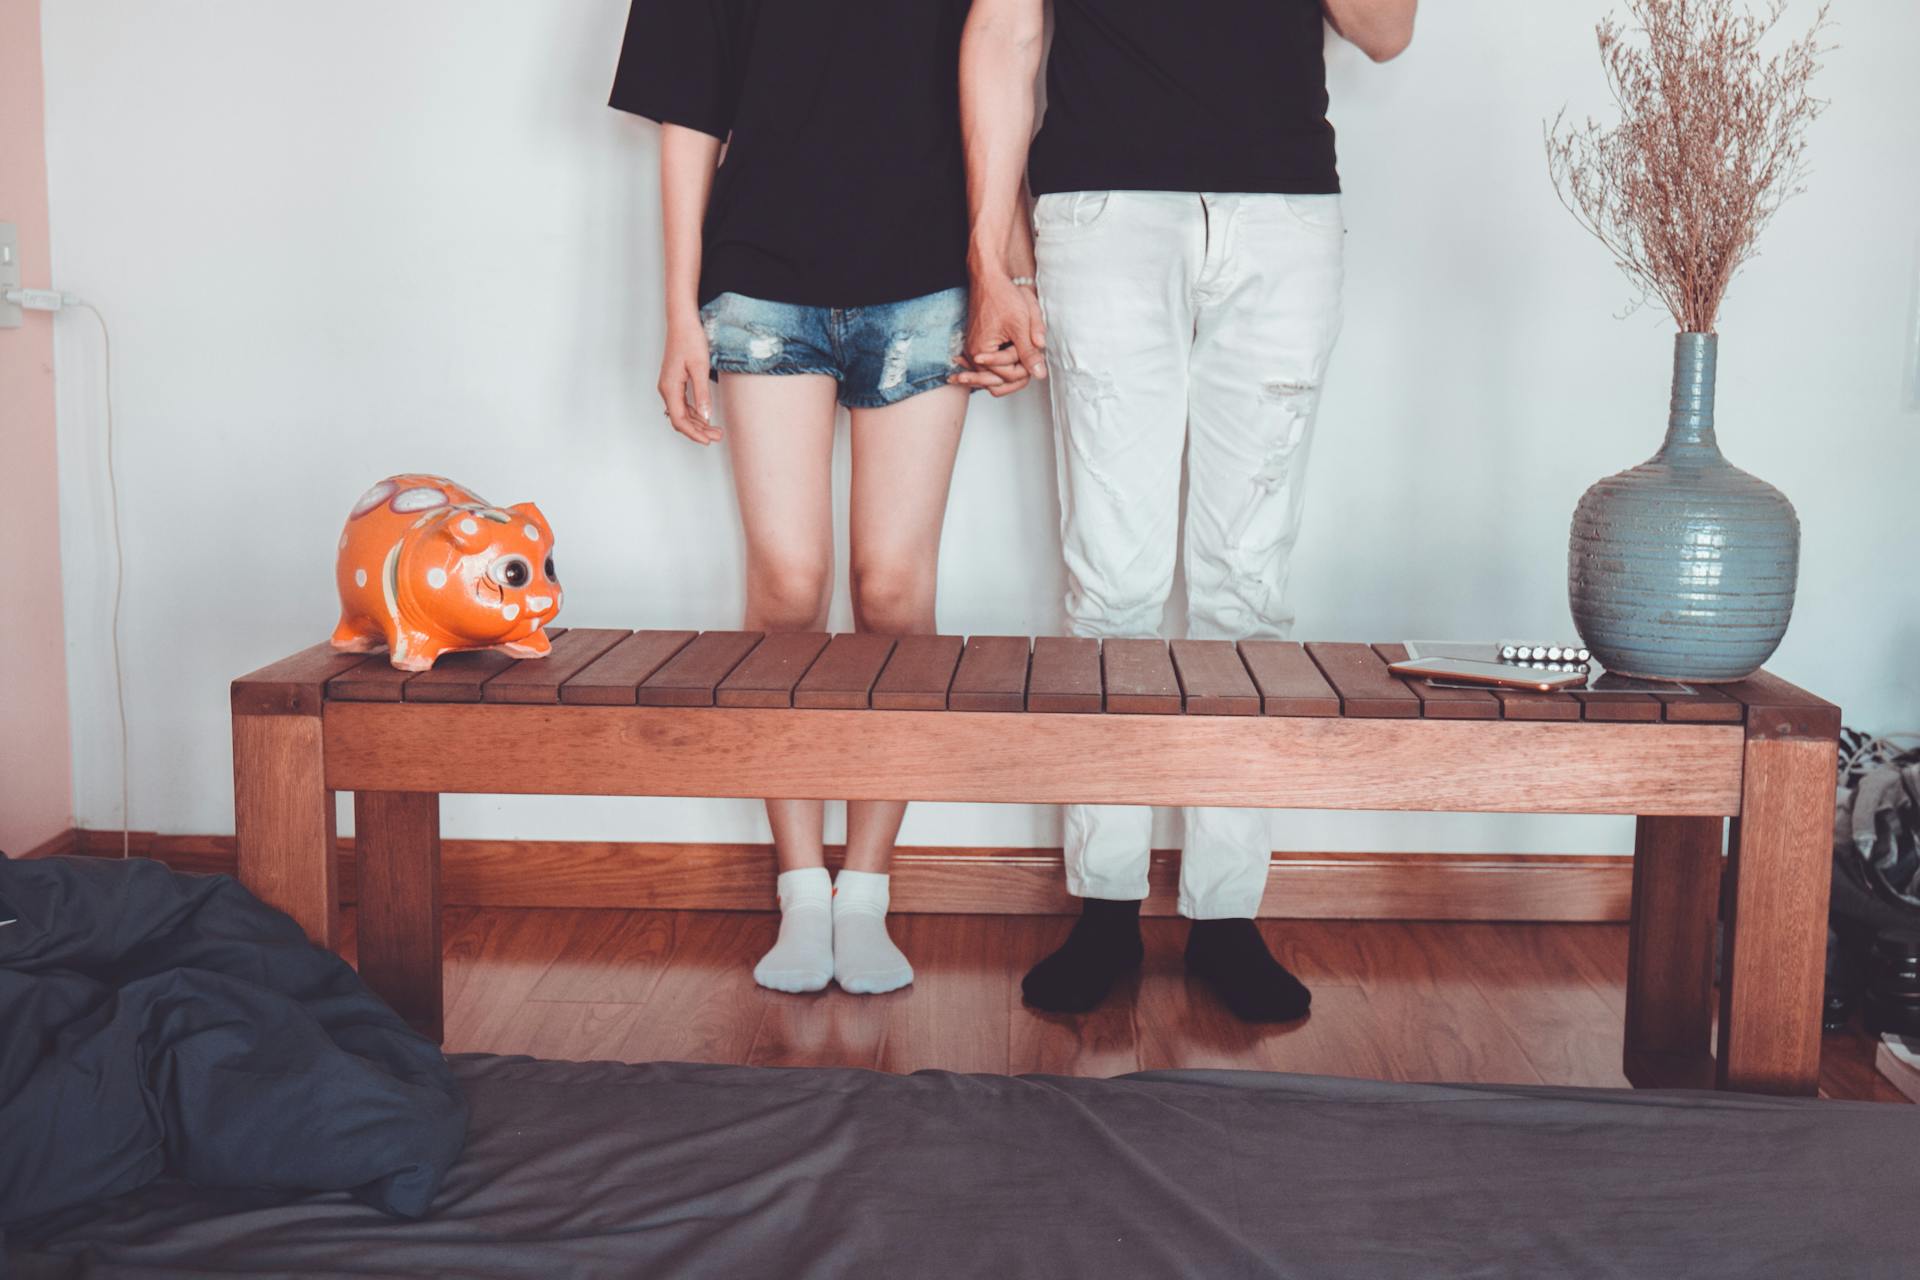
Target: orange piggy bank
(428, 567)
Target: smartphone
(1494, 673)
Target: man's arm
(999, 60)
(1382, 29)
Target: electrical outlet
(11, 317)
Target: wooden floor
(1496, 1003)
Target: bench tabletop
(1050, 675)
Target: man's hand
(1006, 337)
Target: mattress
(606, 1169)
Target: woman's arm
(1381, 28)
(687, 161)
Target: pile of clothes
(158, 1025)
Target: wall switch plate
(11, 317)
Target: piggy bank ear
(527, 511)
(468, 532)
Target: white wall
(338, 241)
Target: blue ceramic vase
(1684, 567)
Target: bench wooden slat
(992, 675)
(1618, 705)
(1139, 677)
(294, 686)
(373, 679)
(1213, 680)
(1065, 675)
(463, 677)
(843, 677)
(690, 677)
(918, 675)
(614, 678)
(1778, 709)
(1531, 704)
(458, 677)
(1366, 688)
(1289, 683)
(1439, 703)
(766, 677)
(538, 680)
(1707, 705)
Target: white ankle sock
(802, 960)
(865, 961)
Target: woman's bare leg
(779, 429)
(902, 464)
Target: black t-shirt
(1198, 95)
(843, 183)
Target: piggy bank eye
(514, 571)
(548, 567)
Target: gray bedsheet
(600, 1169)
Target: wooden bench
(1003, 719)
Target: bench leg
(1781, 867)
(283, 820)
(1676, 900)
(397, 854)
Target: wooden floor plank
(821, 1029)
(954, 1017)
(495, 959)
(705, 1007)
(1460, 1002)
(621, 965)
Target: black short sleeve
(679, 64)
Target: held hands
(1006, 337)
(684, 388)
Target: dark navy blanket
(155, 1023)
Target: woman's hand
(1006, 337)
(684, 388)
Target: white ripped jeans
(1196, 323)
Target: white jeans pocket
(1062, 212)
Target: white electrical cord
(119, 578)
(53, 300)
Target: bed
(606, 1169)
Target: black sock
(1231, 957)
(1103, 947)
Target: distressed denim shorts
(879, 355)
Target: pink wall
(36, 767)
